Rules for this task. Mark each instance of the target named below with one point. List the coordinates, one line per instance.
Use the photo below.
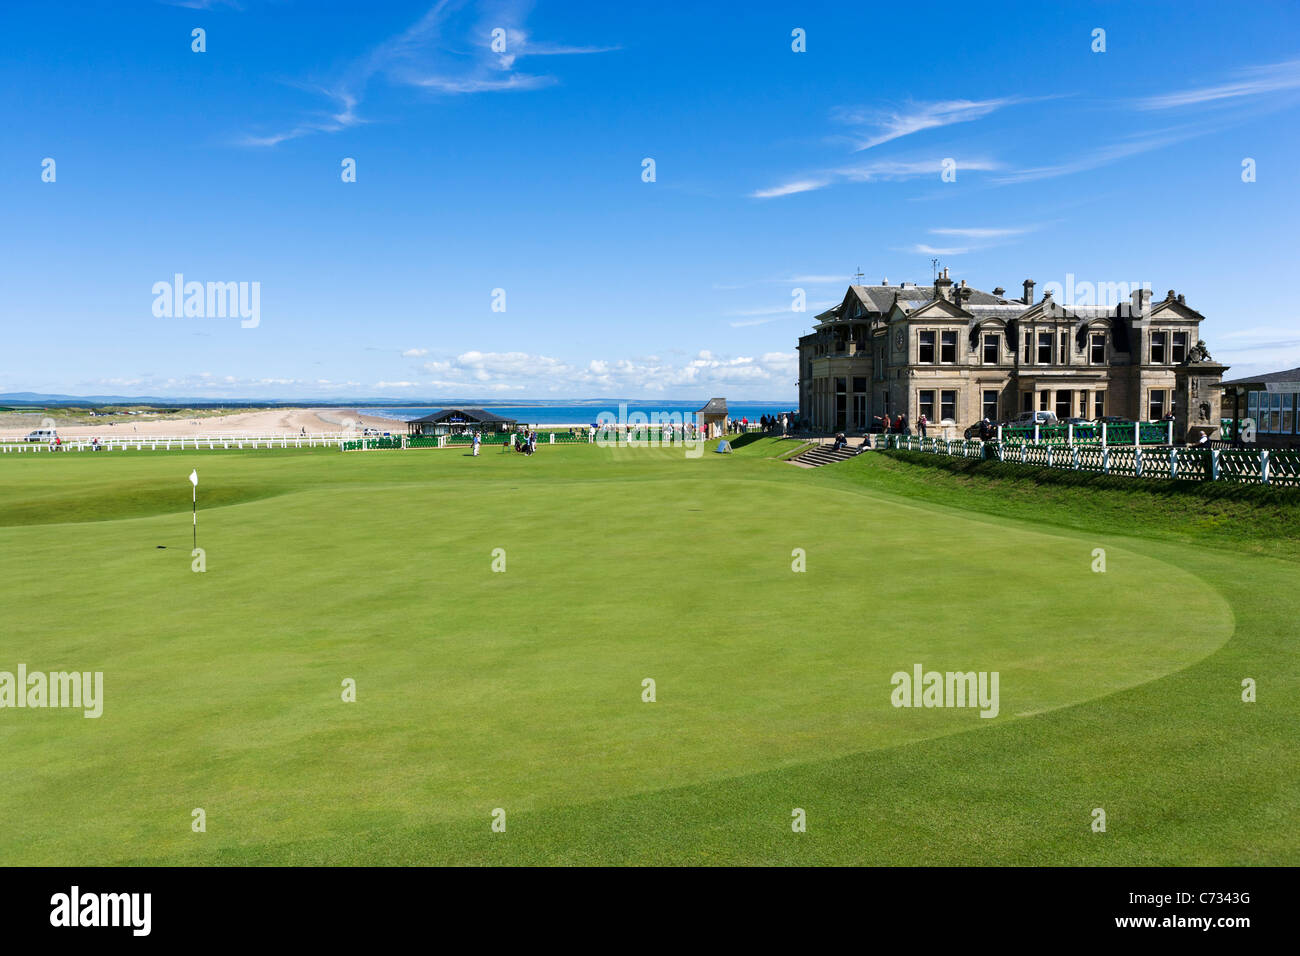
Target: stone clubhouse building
(957, 354)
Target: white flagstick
(194, 504)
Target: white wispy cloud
(1102, 156)
(751, 317)
(812, 280)
(877, 171)
(344, 117)
(792, 281)
(982, 233)
(885, 126)
(1257, 349)
(447, 51)
(204, 4)
(890, 125)
(921, 248)
(484, 84)
(790, 188)
(1253, 81)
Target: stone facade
(959, 354)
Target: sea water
(584, 413)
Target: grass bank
(1254, 519)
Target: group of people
(524, 442)
(898, 424)
(56, 444)
(777, 424)
(668, 431)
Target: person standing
(477, 438)
(921, 423)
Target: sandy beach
(266, 422)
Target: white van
(42, 434)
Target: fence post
(1075, 450)
(1214, 464)
(1137, 434)
(1171, 432)
(999, 434)
(1023, 446)
(1069, 433)
(1173, 462)
(1035, 431)
(1105, 460)
(1049, 456)
(1137, 462)
(1263, 465)
(1103, 434)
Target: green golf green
(500, 617)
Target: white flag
(194, 478)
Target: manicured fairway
(522, 690)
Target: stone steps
(822, 455)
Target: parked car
(973, 430)
(41, 434)
(1034, 418)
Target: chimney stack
(1141, 299)
(1029, 291)
(943, 285)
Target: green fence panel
(1284, 468)
(1154, 433)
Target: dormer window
(1180, 348)
(990, 350)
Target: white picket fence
(1246, 465)
(179, 442)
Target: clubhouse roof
(455, 421)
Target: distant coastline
(582, 413)
(144, 419)
(30, 399)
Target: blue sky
(522, 170)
